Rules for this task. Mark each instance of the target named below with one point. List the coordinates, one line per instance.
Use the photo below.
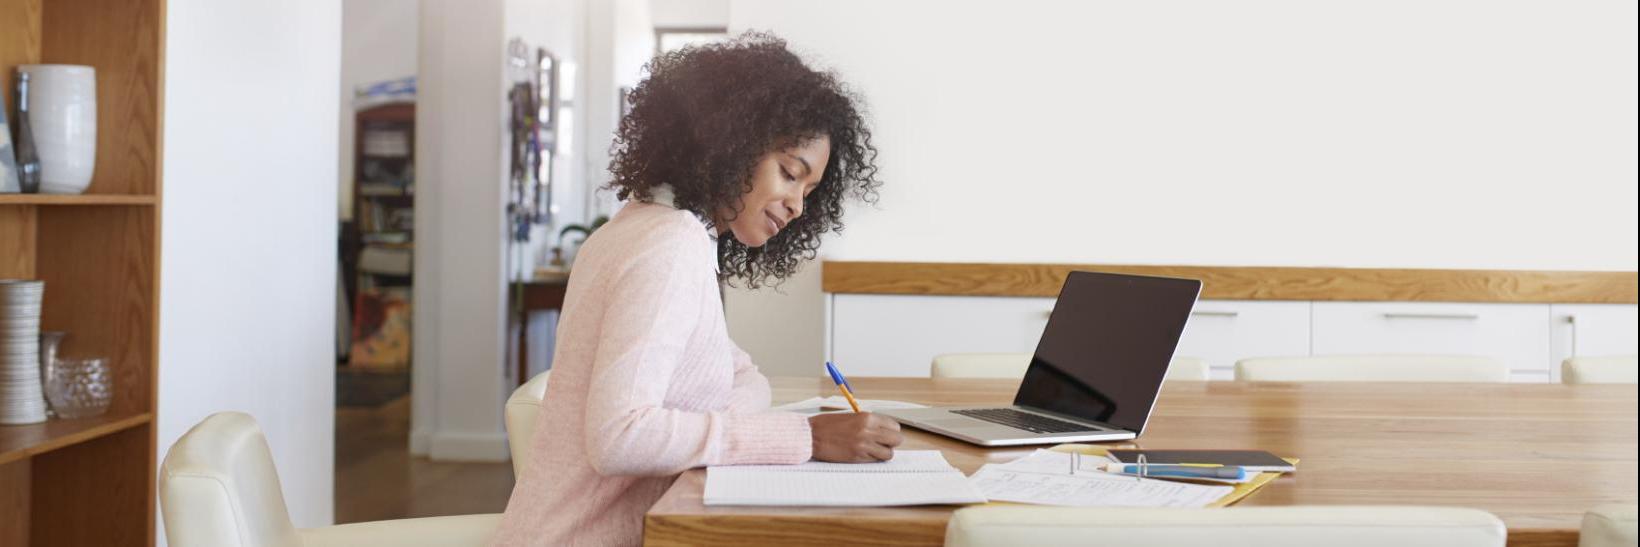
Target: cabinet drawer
(1516, 334)
(1223, 331)
(898, 335)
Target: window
(668, 39)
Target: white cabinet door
(1593, 330)
(1224, 331)
(1516, 334)
(899, 335)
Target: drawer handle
(1463, 316)
(1214, 313)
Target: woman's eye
(787, 174)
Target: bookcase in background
(378, 245)
(90, 481)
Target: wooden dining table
(1536, 455)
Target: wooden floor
(377, 479)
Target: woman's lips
(774, 224)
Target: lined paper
(913, 477)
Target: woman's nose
(795, 205)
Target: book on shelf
(385, 237)
(383, 189)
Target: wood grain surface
(1536, 455)
(1243, 283)
(83, 495)
(122, 39)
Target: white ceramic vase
(63, 114)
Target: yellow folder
(1241, 491)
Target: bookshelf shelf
(48, 199)
(24, 441)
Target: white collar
(662, 194)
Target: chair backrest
(1610, 526)
(1192, 369)
(1617, 369)
(1333, 526)
(522, 408)
(1373, 368)
(980, 365)
(1013, 365)
(218, 487)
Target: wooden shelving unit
(90, 481)
(47, 199)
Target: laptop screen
(1107, 347)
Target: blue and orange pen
(842, 385)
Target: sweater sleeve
(654, 305)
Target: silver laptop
(1096, 372)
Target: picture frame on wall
(547, 90)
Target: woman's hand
(854, 437)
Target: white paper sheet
(729, 486)
(905, 461)
(913, 477)
(1056, 463)
(1059, 463)
(1090, 489)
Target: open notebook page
(905, 461)
(913, 477)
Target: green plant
(585, 230)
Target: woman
(735, 158)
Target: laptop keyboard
(1023, 420)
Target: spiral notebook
(913, 477)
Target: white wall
(619, 39)
(248, 238)
(457, 380)
(1447, 134)
(378, 43)
(689, 13)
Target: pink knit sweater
(645, 384)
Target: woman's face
(780, 181)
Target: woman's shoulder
(648, 224)
(645, 231)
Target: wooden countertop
(1243, 283)
(1536, 455)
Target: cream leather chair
(981, 365)
(1610, 526)
(1332, 526)
(218, 488)
(1372, 368)
(1190, 369)
(522, 408)
(1620, 369)
(1013, 365)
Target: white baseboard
(467, 447)
(420, 441)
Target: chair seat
(423, 532)
(1329, 526)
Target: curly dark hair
(704, 117)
